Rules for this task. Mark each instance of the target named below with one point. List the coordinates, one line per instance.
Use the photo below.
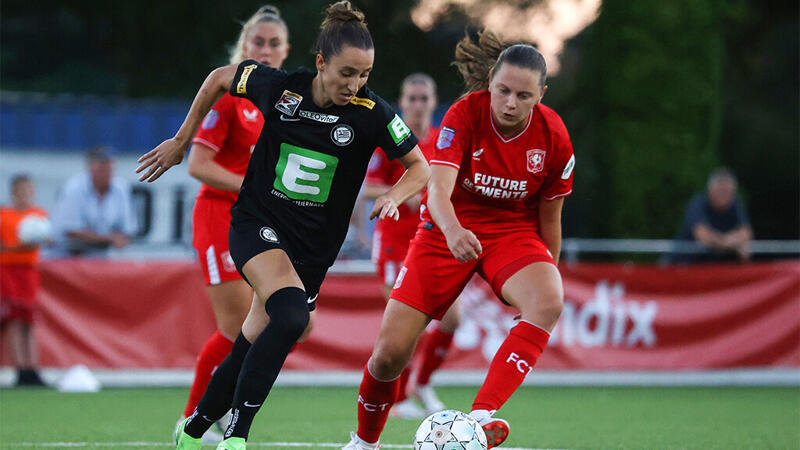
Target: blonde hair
(266, 13)
(343, 25)
(475, 61)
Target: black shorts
(249, 236)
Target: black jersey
(309, 162)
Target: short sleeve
(214, 129)
(256, 82)
(376, 170)
(696, 213)
(453, 137)
(393, 135)
(560, 170)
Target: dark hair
(343, 25)
(475, 60)
(18, 178)
(267, 13)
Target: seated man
(94, 210)
(718, 221)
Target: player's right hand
(161, 158)
(463, 244)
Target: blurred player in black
(292, 213)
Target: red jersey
(231, 129)
(384, 171)
(9, 222)
(502, 179)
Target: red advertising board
(616, 317)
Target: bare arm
(412, 181)
(462, 242)
(373, 190)
(93, 239)
(550, 225)
(203, 167)
(171, 151)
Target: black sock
(288, 317)
(216, 401)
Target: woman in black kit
(292, 213)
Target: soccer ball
(34, 229)
(449, 430)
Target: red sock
(433, 354)
(512, 362)
(401, 389)
(214, 351)
(375, 398)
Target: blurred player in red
(219, 157)
(502, 167)
(391, 238)
(20, 236)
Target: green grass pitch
(540, 417)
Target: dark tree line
(655, 94)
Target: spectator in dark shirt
(718, 221)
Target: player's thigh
(270, 271)
(400, 330)
(231, 302)
(537, 292)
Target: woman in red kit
(417, 103)
(219, 157)
(501, 169)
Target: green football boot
(232, 443)
(183, 441)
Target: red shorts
(388, 254)
(19, 289)
(211, 220)
(431, 278)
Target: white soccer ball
(34, 229)
(449, 430)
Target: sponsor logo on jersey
(289, 102)
(535, 159)
(268, 234)
(319, 117)
(446, 136)
(568, 168)
(365, 102)
(398, 129)
(476, 155)
(496, 187)
(250, 115)
(210, 120)
(342, 135)
(241, 87)
(304, 176)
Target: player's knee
(389, 358)
(288, 311)
(551, 305)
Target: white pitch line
(169, 444)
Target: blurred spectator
(22, 228)
(94, 210)
(718, 221)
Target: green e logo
(304, 174)
(398, 129)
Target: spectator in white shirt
(94, 211)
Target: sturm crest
(450, 430)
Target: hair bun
(342, 12)
(269, 9)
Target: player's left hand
(384, 207)
(161, 158)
